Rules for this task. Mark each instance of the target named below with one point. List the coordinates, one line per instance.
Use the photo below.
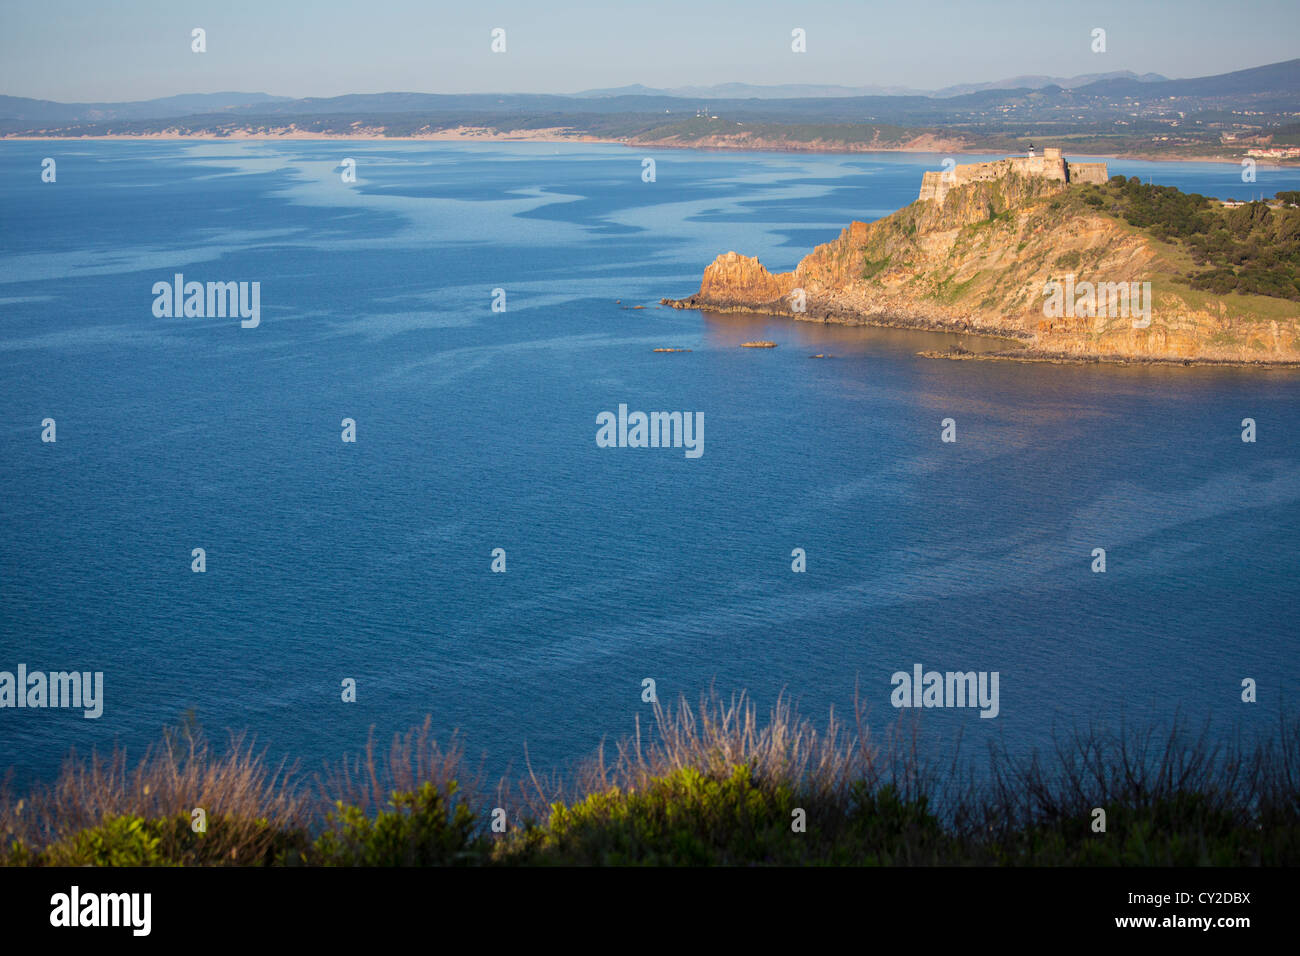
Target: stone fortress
(1050, 165)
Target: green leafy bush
(684, 818)
(883, 829)
(116, 841)
(424, 828)
(136, 841)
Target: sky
(90, 51)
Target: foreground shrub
(117, 841)
(423, 828)
(684, 818)
(689, 818)
(255, 811)
(884, 829)
(136, 841)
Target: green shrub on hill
(686, 818)
(424, 828)
(1252, 248)
(137, 841)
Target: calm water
(476, 431)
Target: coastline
(958, 327)
(883, 321)
(460, 134)
(1034, 356)
(557, 136)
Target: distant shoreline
(553, 136)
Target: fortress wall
(1045, 166)
(1050, 165)
(982, 172)
(931, 186)
(1088, 173)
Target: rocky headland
(983, 258)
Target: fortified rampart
(1050, 165)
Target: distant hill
(746, 91)
(186, 104)
(1275, 78)
(1040, 82)
(804, 90)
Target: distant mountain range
(193, 104)
(1263, 100)
(740, 91)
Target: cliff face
(981, 261)
(741, 279)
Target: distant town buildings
(1276, 152)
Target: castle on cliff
(1050, 165)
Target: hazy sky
(140, 49)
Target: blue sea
(372, 561)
